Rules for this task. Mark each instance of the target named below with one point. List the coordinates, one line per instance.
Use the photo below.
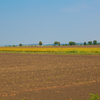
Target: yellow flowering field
(51, 50)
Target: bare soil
(48, 76)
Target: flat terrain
(68, 46)
(48, 76)
(74, 46)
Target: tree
(90, 42)
(95, 42)
(40, 43)
(84, 43)
(71, 43)
(56, 42)
(59, 43)
(20, 44)
(13, 45)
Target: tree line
(73, 43)
(94, 42)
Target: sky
(31, 21)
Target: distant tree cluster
(91, 43)
(57, 43)
(70, 43)
(73, 43)
(64, 44)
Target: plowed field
(48, 77)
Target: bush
(94, 97)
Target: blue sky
(31, 21)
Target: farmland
(54, 49)
(41, 76)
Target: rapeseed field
(52, 50)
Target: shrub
(94, 97)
